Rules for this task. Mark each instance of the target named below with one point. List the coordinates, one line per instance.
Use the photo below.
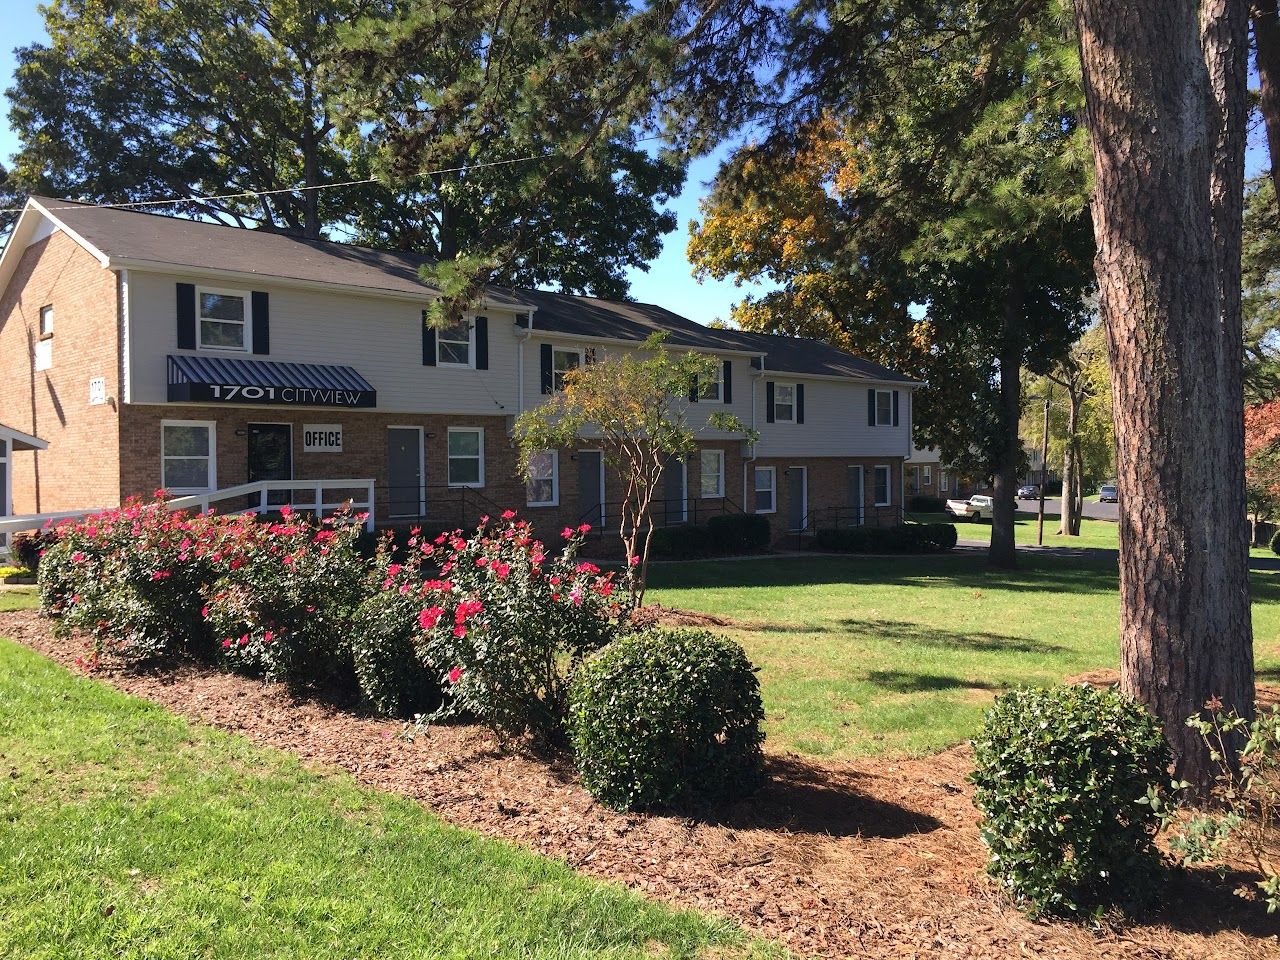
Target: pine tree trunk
(1002, 553)
(1069, 523)
(1165, 110)
(1266, 36)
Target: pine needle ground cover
(861, 656)
(127, 832)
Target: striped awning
(203, 379)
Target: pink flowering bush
(504, 623)
(283, 602)
(130, 578)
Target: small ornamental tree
(1262, 458)
(637, 403)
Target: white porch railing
(315, 502)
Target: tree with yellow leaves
(636, 403)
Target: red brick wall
(364, 455)
(81, 466)
(828, 495)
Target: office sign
(322, 438)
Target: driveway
(1053, 508)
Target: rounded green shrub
(1275, 543)
(1065, 778)
(666, 715)
(393, 679)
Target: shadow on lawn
(801, 797)
(907, 681)
(908, 632)
(1075, 575)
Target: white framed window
(188, 456)
(563, 359)
(944, 482)
(543, 486)
(883, 486)
(710, 389)
(784, 403)
(455, 346)
(766, 490)
(222, 319)
(884, 408)
(466, 456)
(46, 321)
(928, 476)
(711, 484)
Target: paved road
(1052, 508)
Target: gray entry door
(674, 477)
(404, 472)
(797, 497)
(856, 494)
(590, 487)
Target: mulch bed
(878, 859)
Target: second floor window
(884, 408)
(784, 403)
(453, 345)
(709, 389)
(46, 321)
(562, 361)
(221, 320)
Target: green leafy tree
(558, 97)
(635, 402)
(1260, 267)
(921, 199)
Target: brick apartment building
(158, 352)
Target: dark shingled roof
(181, 242)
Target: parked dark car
(1107, 493)
(1028, 491)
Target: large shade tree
(922, 198)
(1165, 84)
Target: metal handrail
(692, 510)
(864, 517)
(261, 489)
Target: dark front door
(797, 498)
(591, 487)
(857, 495)
(404, 472)
(271, 456)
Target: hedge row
(905, 538)
(726, 534)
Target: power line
(244, 194)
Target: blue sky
(668, 281)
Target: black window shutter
(768, 401)
(693, 390)
(261, 321)
(186, 316)
(548, 376)
(726, 390)
(871, 407)
(428, 342)
(799, 403)
(895, 408)
(482, 343)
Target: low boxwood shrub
(1068, 780)
(684, 542)
(505, 623)
(662, 716)
(739, 532)
(904, 538)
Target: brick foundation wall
(81, 466)
(828, 491)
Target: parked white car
(975, 508)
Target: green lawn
(871, 655)
(19, 598)
(1103, 534)
(126, 832)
